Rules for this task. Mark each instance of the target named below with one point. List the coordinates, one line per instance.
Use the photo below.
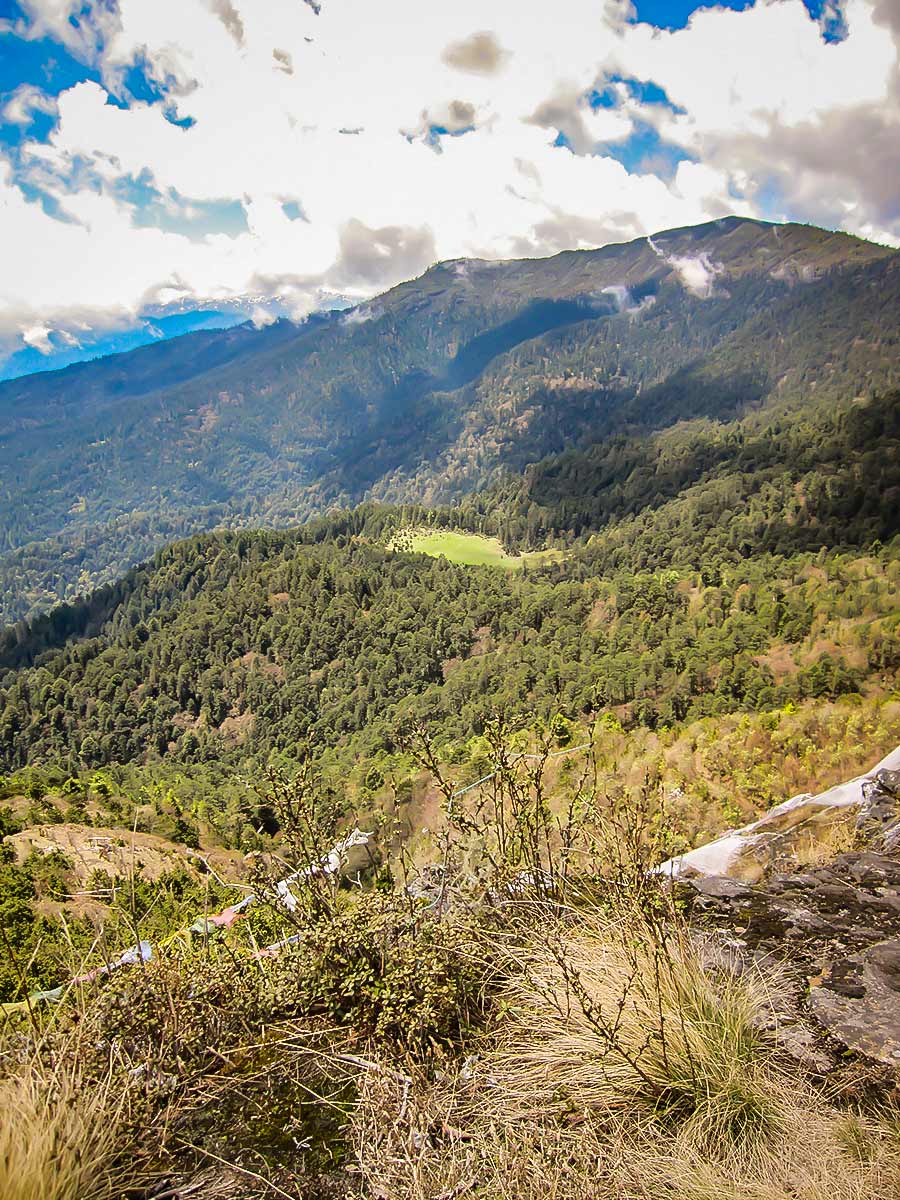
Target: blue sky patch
(769, 200)
(675, 14)
(645, 91)
(194, 219)
(43, 63)
(181, 122)
(139, 84)
(51, 205)
(38, 129)
(830, 18)
(644, 152)
(174, 213)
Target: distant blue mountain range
(98, 343)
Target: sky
(295, 154)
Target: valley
(449, 600)
(361, 678)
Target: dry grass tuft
(60, 1139)
(816, 1158)
(619, 1019)
(817, 843)
(444, 1148)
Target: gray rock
(880, 805)
(719, 887)
(835, 929)
(858, 1002)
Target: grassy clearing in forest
(468, 549)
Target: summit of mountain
(733, 246)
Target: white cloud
(38, 338)
(24, 102)
(478, 54)
(768, 111)
(361, 314)
(83, 28)
(625, 300)
(771, 104)
(697, 272)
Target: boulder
(858, 1002)
(834, 930)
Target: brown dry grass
(820, 842)
(627, 1062)
(616, 1017)
(440, 1152)
(624, 1068)
(60, 1138)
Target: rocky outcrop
(797, 825)
(858, 1002)
(837, 929)
(833, 925)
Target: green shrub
(383, 972)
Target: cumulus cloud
(380, 257)
(38, 338)
(697, 273)
(128, 200)
(230, 18)
(799, 130)
(283, 61)
(887, 13)
(454, 116)
(262, 316)
(451, 117)
(568, 112)
(479, 54)
(85, 27)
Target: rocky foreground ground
(783, 891)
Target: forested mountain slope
(433, 391)
(712, 568)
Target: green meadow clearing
(469, 549)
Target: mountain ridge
(440, 387)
